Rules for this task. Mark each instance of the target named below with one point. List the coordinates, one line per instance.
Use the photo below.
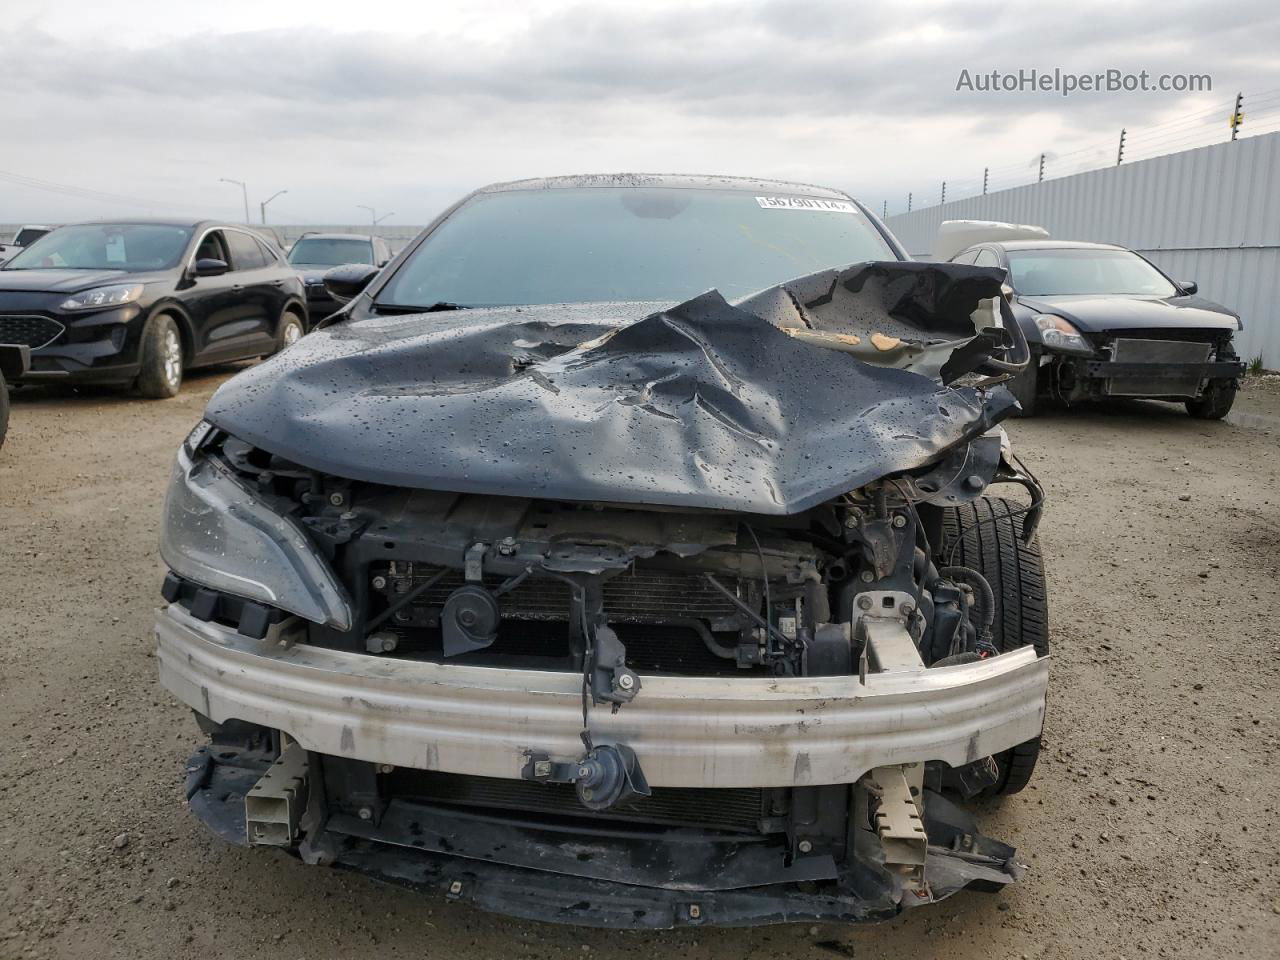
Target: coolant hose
(980, 585)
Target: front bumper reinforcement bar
(686, 731)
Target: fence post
(1041, 168)
(985, 171)
(908, 203)
(1120, 151)
(1237, 115)
(944, 192)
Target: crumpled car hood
(704, 404)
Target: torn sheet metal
(704, 404)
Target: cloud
(821, 90)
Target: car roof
(667, 181)
(1049, 245)
(158, 222)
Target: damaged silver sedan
(545, 580)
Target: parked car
(26, 235)
(14, 359)
(139, 302)
(542, 577)
(316, 253)
(1103, 321)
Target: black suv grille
(29, 331)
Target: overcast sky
(404, 106)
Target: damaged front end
(632, 623)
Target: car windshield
(105, 246)
(576, 245)
(1065, 272)
(330, 252)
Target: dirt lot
(1151, 829)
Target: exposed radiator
(1132, 350)
(736, 810)
(633, 597)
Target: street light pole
(378, 220)
(373, 214)
(244, 190)
(263, 205)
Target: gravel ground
(1151, 829)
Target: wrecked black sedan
(546, 579)
(1103, 322)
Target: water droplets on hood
(704, 403)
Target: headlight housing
(1056, 333)
(219, 533)
(100, 298)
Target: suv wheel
(289, 332)
(990, 542)
(161, 372)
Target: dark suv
(315, 253)
(139, 302)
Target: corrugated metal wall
(1211, 215)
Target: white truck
(26, 235)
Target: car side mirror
(209, 267)
(1188, 286)
(345, 283)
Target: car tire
(290, 330)
(1025, 387)
(986, 537)
(4, 410)
(162, 364)
(1215, 403)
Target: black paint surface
(702, 404)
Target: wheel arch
(186, 327)
(297, 305)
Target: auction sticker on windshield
(806, 203)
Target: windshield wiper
(437, 307)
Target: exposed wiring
(404, 601)
(1035, 503)
(588, 655)
(514, 582)
(911, 504)
(764, 577)
(588, 648)
(755, 618)
(981, 585)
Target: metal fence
(1242, 117)
(1211, 215)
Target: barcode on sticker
(806, 203)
